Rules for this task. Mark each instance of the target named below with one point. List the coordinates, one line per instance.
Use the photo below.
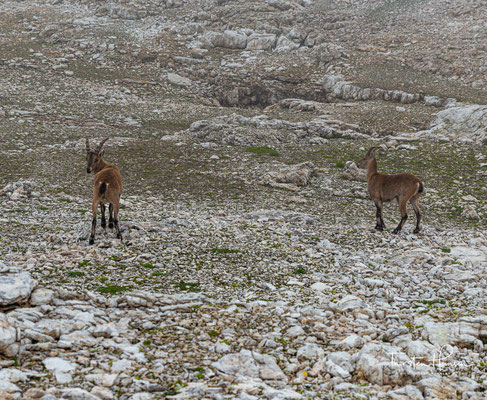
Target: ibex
(107, 188)
(383, 188)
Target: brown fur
(383, 188)
(107, 188)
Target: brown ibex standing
(107, 188)
(383, 188)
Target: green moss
(76, 273)
(109, 289)
(188, 286)
(262, 150)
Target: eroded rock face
(260, 130)
(464, 123)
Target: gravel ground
(250, 268)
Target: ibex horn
(101, 145)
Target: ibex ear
(87, 145)
(101, 153)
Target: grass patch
(75, 274)
(109, 289)
(262, 150)
(299, 271)
(189, 286)
(340, 164)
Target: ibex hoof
(103, 225)
(110, 225)
(396, 231)
(416, 230)
(379, 227)
(92, 240)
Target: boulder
(15, 286)
(250, 364)
(291, 177)
(383, 364)
(261, 41)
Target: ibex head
(93, 156)
(368, 157)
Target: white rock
(261, 41)
(8, 387)
(341, 358)
(222, 347)
(102, 393)
(350, 302)
(351, 342)
(121, 365)
(178, 80)
(41, 296)
(295, 331)
(408, 392)
(8, 335)
(319, 286)
(384, 364)
(310, 351)
(422, 352)
(281, 394)
(15, 287)
(463, 122)
(460, 334)
(325, 244)
(106, 380)
(60, 368)
(250, 364)
(335, 370)
(77, 394)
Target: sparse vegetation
(262, 150)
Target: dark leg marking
(93, 227)
(110, 216)
(415, 204)
(103, 220)
(119, 235)
(380, 222)
(401, 223)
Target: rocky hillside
(250, 268)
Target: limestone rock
(15, 286)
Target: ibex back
(107, 188)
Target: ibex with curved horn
(384, 188)
(107, 188)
